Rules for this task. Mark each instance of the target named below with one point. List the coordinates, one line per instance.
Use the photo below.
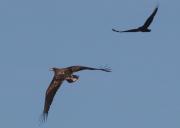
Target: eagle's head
(53, 69)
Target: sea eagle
(61, 74)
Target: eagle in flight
(144, 27)
(61, 74)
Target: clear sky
(143, 91)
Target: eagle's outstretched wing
(150, 18)
(50, 93)
(115, 30)
(79, 68)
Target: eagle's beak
(51, 69)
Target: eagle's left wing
(79, 68)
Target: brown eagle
(144, 27)
(61, 74)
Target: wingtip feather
(43, 118)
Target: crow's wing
(79, 68)
(130, 30)
(50, 93)
(150, 18)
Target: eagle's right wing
(50, 93)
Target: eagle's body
(61, 74)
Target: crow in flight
(61, 74)
(144, 27)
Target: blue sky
(141, 92)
